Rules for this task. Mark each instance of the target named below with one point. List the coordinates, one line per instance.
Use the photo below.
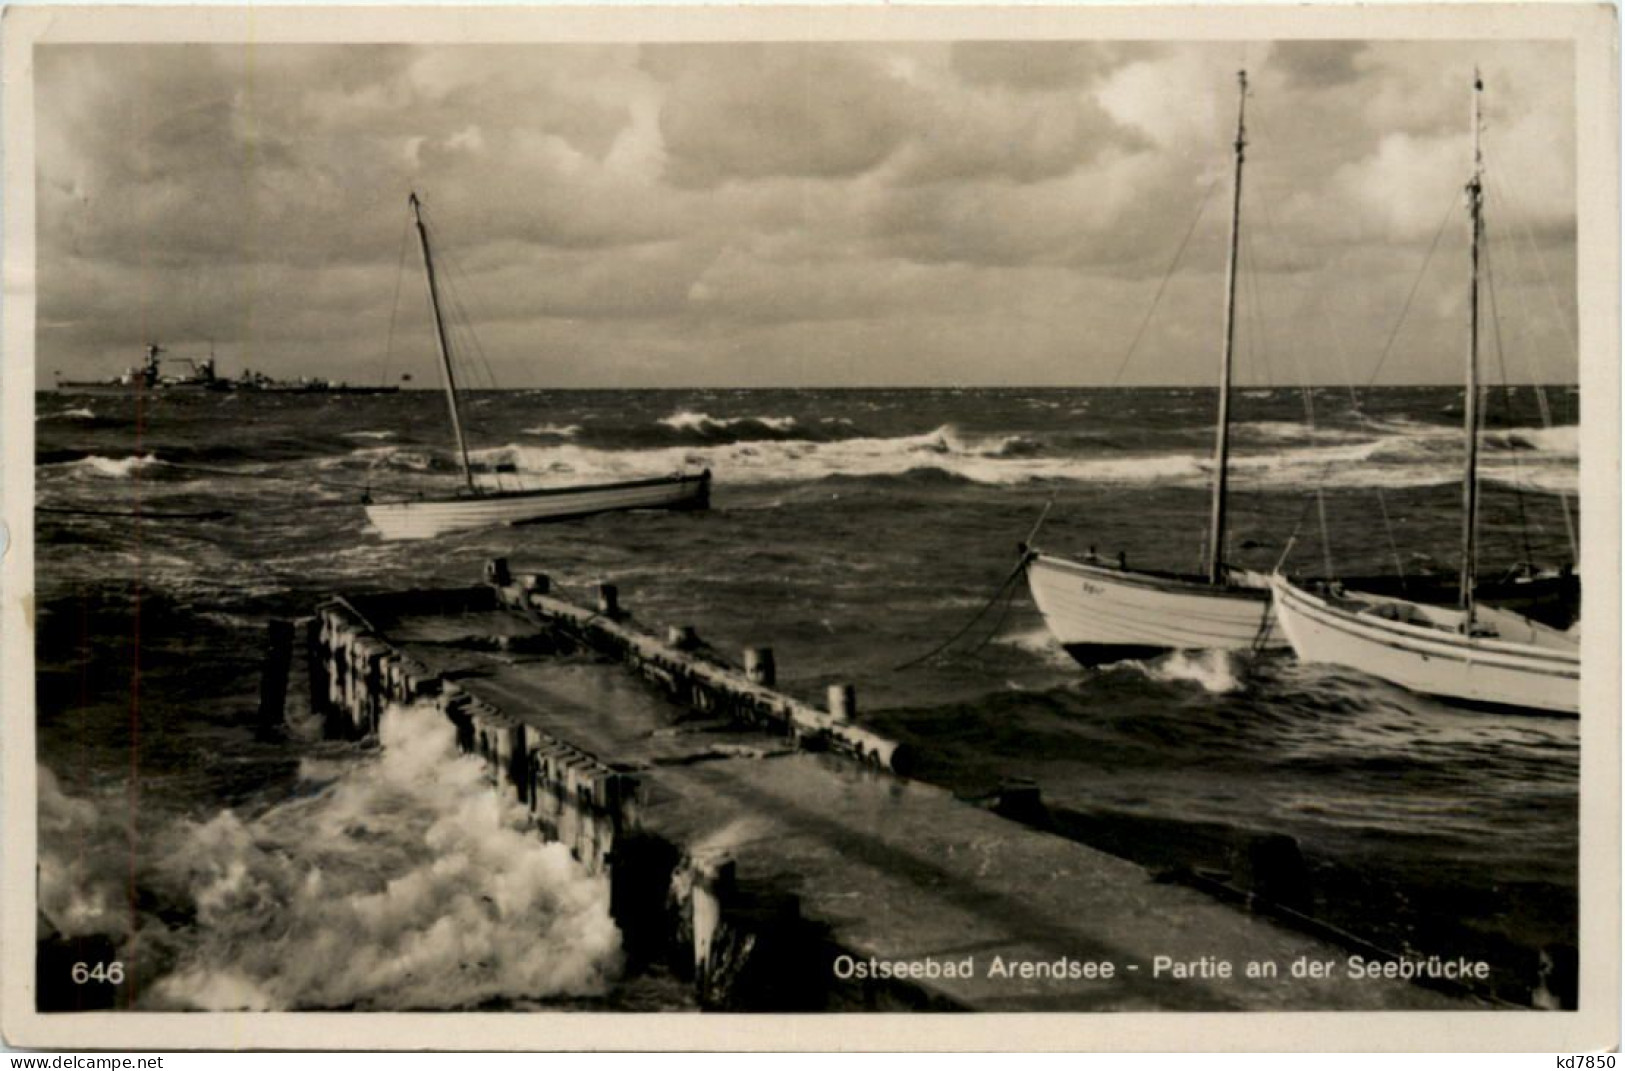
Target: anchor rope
(1004, 585)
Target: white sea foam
(116, 468)
(687, 420)
(1563, 439)
(1393, 456)
(1552, 479)
(79, 887)
(1214, 670)
(943, 449)
(405, 883)
(1036, 641)
(392, 456)
(557, 431)
(80, 413)
(369, 435)
(1292, 431)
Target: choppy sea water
(852, 531)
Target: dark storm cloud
(753, 111)
(756, 213)
(1041, 65)
(1318, 64)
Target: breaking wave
(557, 431)
(1214, 671)
(1272, 456)
(405, 883)
(1563, 439)
(1291, 431)
(396, 881)
(115, 468)
(79, 892)
(1039, 642)
(705, 424)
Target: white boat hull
(1431, 660)
(1099, 613)
(430, 517)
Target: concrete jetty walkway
(782, 858)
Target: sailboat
(1469, 652)
(1103, 611)
(473, 506)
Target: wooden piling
(1020, 800)
(843, 702)
(760, 934)
(274, 678)
(316, 665)
(1270, 868)
(609, 600)
(496, 572)
(682, 637)
(759, 667)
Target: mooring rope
(1003, 590)
(1021, 567)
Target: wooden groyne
(691, 678)
(776, 852)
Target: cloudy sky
(799, 214)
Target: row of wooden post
(572, 797)
(678, 663)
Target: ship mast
(1469, 520)
(1221, 448)
(447, 376)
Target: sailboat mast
(448, 378)
(1221, 448)
(1469, 519)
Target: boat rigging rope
(1162, 286)
(1354, 395)
(1388, 347)
(1539, 369)
(1504, 197)
(1306, 391)
(469, 352)
(1506, 397)
(395, 305)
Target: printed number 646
(109, 973)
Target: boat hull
(1432, 661)
(427, 518)
(1100, 614)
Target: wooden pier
(776, 851)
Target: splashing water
(723, 842)
(404, 882)
(1214, 670)
(117, 468)
(78, 888)
(558, 431)
(688, 420)
(1283, 456)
